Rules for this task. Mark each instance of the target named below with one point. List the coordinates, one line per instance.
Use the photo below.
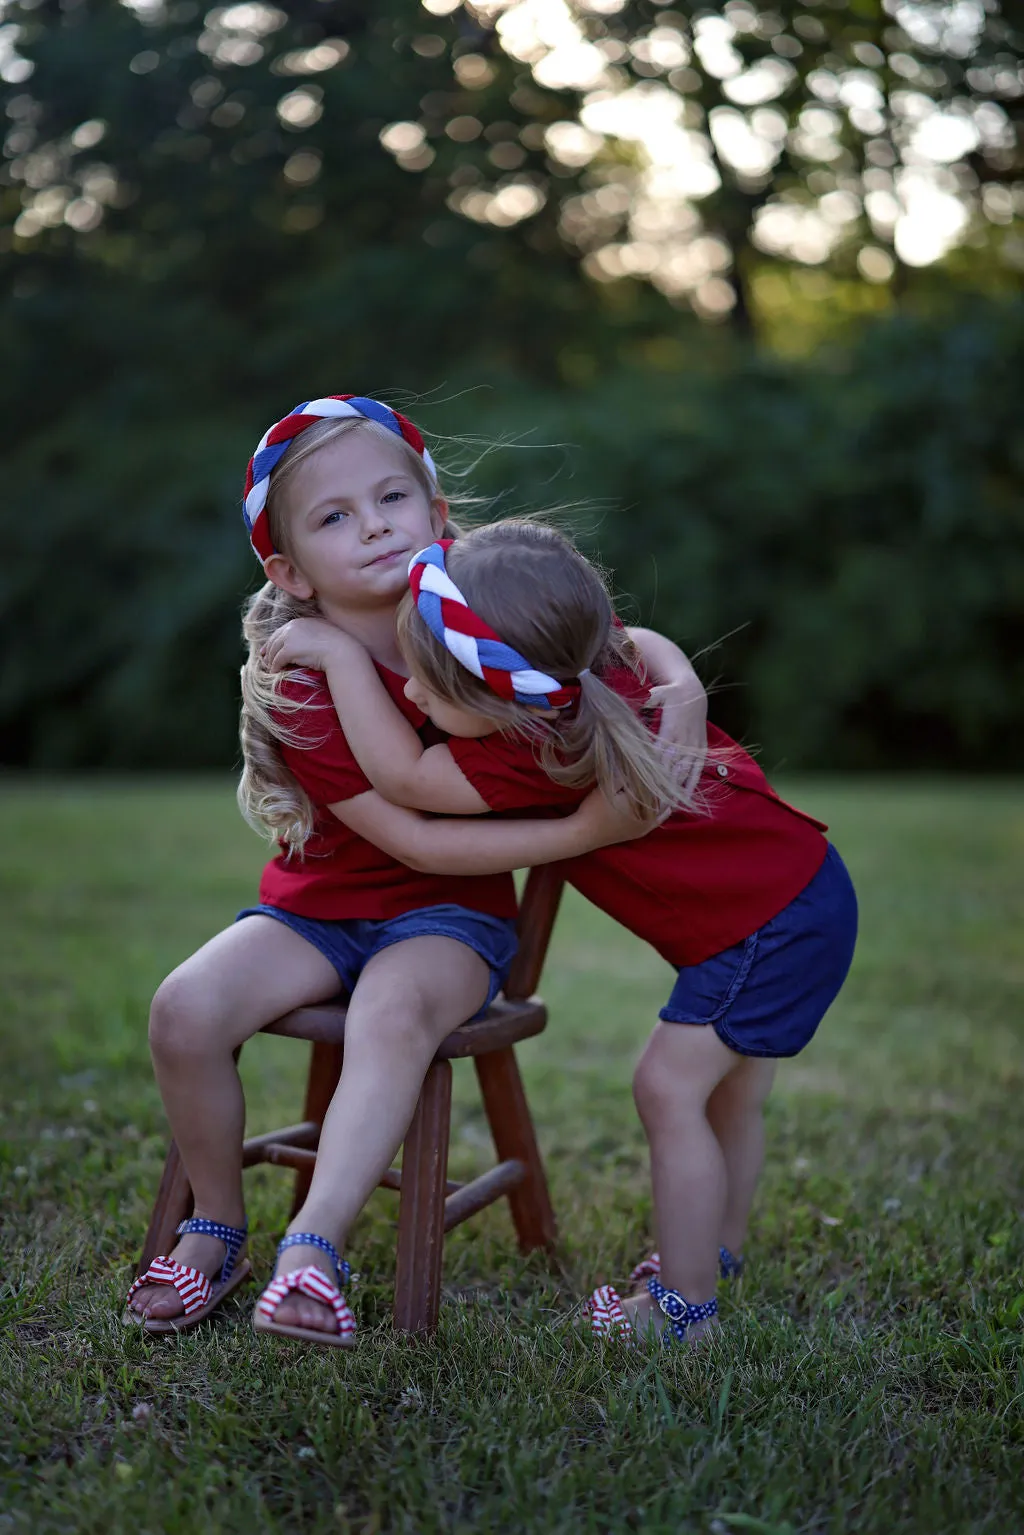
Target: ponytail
(606, 743)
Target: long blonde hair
(547, 601)
(269, 796)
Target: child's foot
(304, 1299)
(297, 1310)
(655, 1314)
(648, 1320)
(161, 1302)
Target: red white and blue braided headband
(274, 443)
(474, 643)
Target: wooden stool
(428, 1204)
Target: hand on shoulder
(311, 642)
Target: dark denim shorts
(349, 943)
(767, 995)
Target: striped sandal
(729, 1266)
(314, 1283)
(608, 1318)
(199, 1294)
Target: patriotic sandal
(682, 1314)
(729, 1266)
(199, 1294)
(314, 1283)
(608, 1318)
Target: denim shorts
(349, 943)
(767, 995)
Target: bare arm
(452, 845)
(407, 775)
(679, 694)
(666, 664)
(383, 742)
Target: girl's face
(453, 719)
(357, 515)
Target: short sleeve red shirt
(339, 874)
(697, 884)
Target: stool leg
(173, 1205)
(324, 1072)
(421, 1205)
(508, 1114)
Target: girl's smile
(392, 554)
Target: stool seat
(505, 1022)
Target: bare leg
(736, 1115)
(407, 999)
(678, 1072)
(243, 978)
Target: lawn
(870, 1375)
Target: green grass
(870, 1375)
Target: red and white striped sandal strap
(191, 1284)
(314, 1283)
(648, 1268)
(607, 1318)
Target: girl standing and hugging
(513, 650)
(409, 917)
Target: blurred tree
(845, 536)
(208, 215)
(866, 136)
(271, 166)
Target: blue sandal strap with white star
(729, 1265)
(311, 1239)
(233, 1238)
(681, 1313)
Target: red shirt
(339, 874)
(698, 883)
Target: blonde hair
(269, 796)
(547, 601)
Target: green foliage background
(848, 524)
(851, 528)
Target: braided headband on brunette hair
(274, 444)
(473, 642)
